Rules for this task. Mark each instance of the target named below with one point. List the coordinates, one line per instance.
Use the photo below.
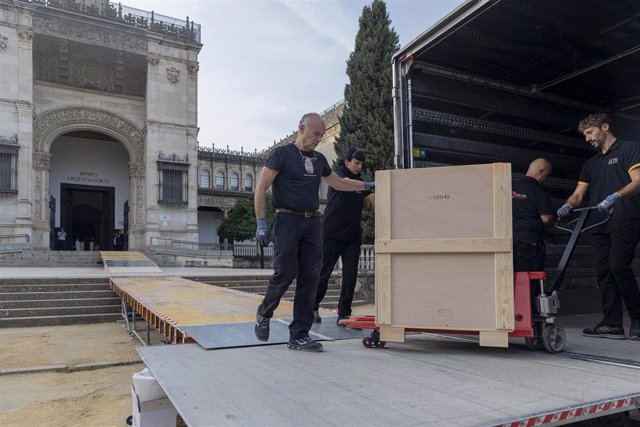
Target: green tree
(240, 224)
(367, 119)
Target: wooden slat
(503, 262)
(443, 245)
(494, 339)
(391, 334)
(383, 261)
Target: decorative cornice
(9, 140)
(25, 34)
(173, 158)
(91, 34)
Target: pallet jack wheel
(373, 341)
(536, 342)
(129, 420)
(554, 338)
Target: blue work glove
(370, 185)
(262, 232)
(608, 203)
(564, 210)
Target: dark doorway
(88, 213)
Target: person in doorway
(613, 177)
(61, 239)
(533, 218)
(118, 241)
(342, 235)
(77, 245)
(293, 171)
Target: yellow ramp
(128, 262)
(169, 303)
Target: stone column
(137, 206)
(41, 166)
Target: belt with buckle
(306, 214)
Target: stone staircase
(258, 285)
(48, 258)
(48, 302)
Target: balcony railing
(116, 12)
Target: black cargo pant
(350, 253)
(297, 253)
(615, 250)
(529, 256)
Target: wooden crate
(443, 251)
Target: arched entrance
(89, 176)
(93, 159)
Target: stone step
(16, 322)
(59, 311)
(53, 287)
(71, 302)
(54, 281)
(15, 296)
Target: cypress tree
(367, 119)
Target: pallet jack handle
(576, 231)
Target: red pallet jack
(535, 301)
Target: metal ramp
(117, 262)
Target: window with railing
(205, 179)
(8, 169)
(248, 183)
(234, 181)
(220, 180)
(173, 182)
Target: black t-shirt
(607, 173)
(298, 181)
(529, 200)
(343, 216)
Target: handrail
(188, 246)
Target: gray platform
(241, 334)
(428, 380)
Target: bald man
(294, 171)
(532, 218)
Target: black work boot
(305, 344)
(262, 327)
(634, 330)
(602, 330)
(316, 317)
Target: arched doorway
(89, 175)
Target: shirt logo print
(519, 196)
(613, 161)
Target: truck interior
(508, 81)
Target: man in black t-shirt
(293, 171)
(342, 235)
(612, 176)
(532, 218)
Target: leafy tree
(367, 119)
(240, 224)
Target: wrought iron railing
(133, 17)
(188, 247)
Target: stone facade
(91, 70)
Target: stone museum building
(98, 123)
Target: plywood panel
(383, 262)
(447, 291)
(443, 203)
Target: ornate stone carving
(25, 35)
(193, 68)
(9, 140)
(92, 34)
(153, 60)
(48, 125)
(173, 75)
(173, 157)
(4, 42)
(41, 161)
(90, 74)
(136, 169)
(8, 194)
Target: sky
(264, 63)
